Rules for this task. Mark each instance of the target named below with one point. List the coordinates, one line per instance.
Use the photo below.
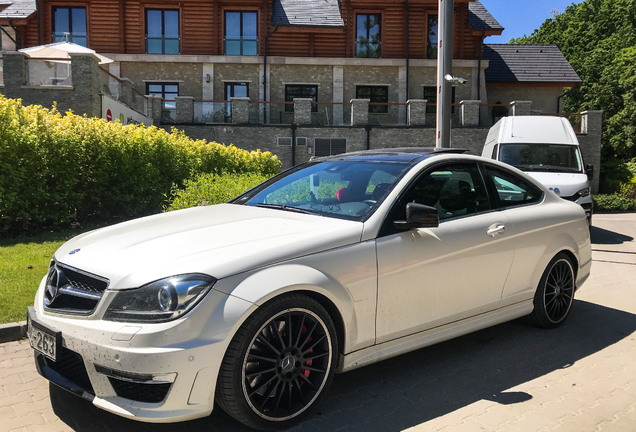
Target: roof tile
(480, 19)
(528, 63)
(307, 13)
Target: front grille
(140, 392)
(71, 366)
(70, 290)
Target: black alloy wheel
(554, 296)
(278, 369)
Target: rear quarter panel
(542, 231)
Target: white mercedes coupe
(340, 262)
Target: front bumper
(149, 372)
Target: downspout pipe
(559, 103)
(265, 70)
(407, 50)
(37, 17)
(481, 54)
(293, 127)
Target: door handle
(498, 229)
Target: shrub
(58, 169)
(613, 202)
(208, 189)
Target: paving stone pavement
(512, 377)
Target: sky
(522, 17)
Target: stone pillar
(155, 109)
(590, 142)
(240, 110)
(359, 112)
(85, 78)
(185, 109)
(521, 108)
(126, 92)
(470, 113)
(591, 122)
(416, 112)
(16, 71)
(338, 95)
(302, 111)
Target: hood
(219, 240)
(567, 183)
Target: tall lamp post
(444, 68)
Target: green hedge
(612, 203)
(58, 169)
(207, 189)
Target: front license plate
(43, 340)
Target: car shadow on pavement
(411, 389)
(602, 236)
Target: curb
(13, 331)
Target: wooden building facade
(120, 26)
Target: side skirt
(425, 338)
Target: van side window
(495, 150)
(512, 190)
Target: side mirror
(418, 216)
(589, 170)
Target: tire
(272, 378)
(555, 293)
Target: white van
(546, 148)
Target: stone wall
(187, 75)
(265, 138)
(544, 99)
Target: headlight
(584, 192)
(163, 300)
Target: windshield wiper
(287, 208)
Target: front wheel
(279, 364)
(555, 293)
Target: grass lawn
(23, 263)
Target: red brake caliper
(308, 362)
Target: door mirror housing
(589, 170)
(418, 216)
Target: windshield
(340, 189)
(542, 157)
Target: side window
(513, 190)
(454, 190)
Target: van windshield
(542, 157)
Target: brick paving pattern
(511, 377)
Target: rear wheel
(555, 293)
(280, 363)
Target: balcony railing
(358, 112)
(212, 112)
(123, 91)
